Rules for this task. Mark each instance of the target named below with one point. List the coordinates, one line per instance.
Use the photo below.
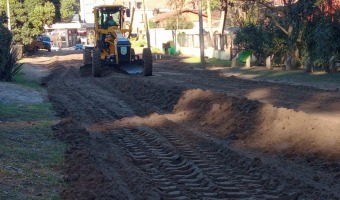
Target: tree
(180, 23)
(321, 35)
(28, 18)
(5, 41)
(289, 19)
(177, 5)
(41, 15)
(8, 55)
(68, 8)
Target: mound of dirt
(260, 125)
(249, 122)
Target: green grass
(20, 79)
(156, 50)
(294, 76)
(138, 44)
(30, 158)
(31, 112)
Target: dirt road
(189, 133)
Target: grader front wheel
(147, 62)
(96, 63)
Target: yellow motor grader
(112, 46)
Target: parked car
(55, 47)
(39, 42)
(78, 46)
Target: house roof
(163, 16)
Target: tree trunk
(291, 61)
(308, 66)
(332, 65)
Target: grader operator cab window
(109, 17)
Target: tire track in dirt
(92, 162)
(183, 170)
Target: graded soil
(193, 133)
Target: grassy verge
(318, 78)
(30, 158)
(20, 79)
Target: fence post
(248, 62)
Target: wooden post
(269, 62)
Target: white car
(55, 47)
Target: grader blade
(131, 69)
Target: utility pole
(9, 16)
(201, 36)
(146, 25)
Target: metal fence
(192, 40)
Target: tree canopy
(68, 8)
(28, 17)
(296, 30)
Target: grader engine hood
(124, 54)
(123, 46)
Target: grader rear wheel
(87, 56)
(96, 63)
(147, 62)
(133, 54)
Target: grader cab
(112, 46)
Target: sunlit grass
(138, 43)
(209, 61)
(191, 60)
(156, 50)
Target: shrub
(255, 38)
(181, 38)
(8, 56)
(5, 42)
(322, 38)
(12, 67)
